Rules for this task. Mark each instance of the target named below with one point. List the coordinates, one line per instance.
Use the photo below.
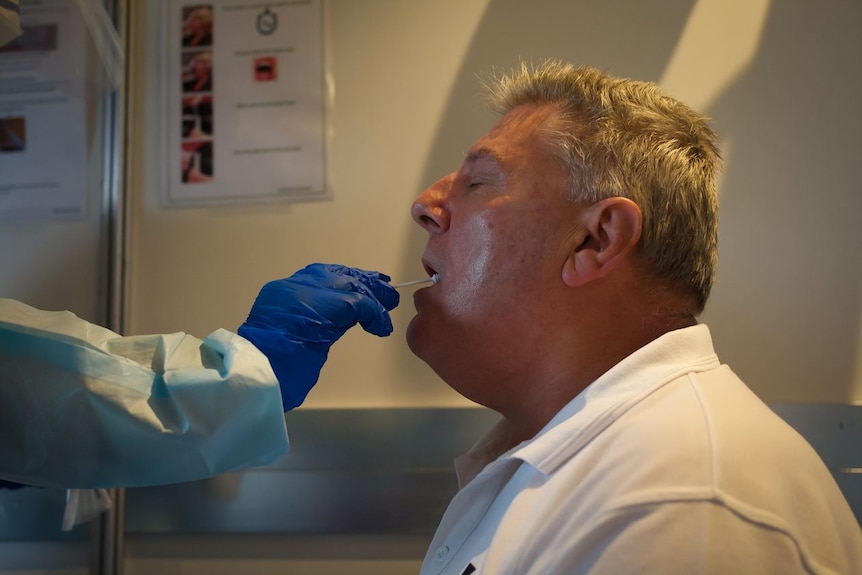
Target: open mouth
(432, 273)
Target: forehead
(520, 134)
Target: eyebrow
(483, 154)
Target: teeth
(435, 278)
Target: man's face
(499, 231)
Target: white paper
(43, 147)
(246, 101)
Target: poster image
(245, 101)
(13, 134)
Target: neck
(577, 364)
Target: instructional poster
(245, 101)
(43, 146)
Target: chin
(414, 337)
(423, 340)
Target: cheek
(487, 262)
(469, 280)
(479, 261)
(474, 252)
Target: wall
(199, 269)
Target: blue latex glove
(295, 320)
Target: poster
(246, 102)
(43, 146)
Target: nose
(430, 210)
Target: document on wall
(43, 146)
(245, 102)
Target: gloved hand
(295, 320)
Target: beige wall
(780, 78)
(394, 65)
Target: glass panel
(57, 196)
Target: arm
(686, 536)
(82, 407)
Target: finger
(370, 313)
(379, 285)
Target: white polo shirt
(667, 464)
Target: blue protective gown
(83, 407)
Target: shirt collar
(603, 401)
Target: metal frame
(107, 531)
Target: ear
(610, 229)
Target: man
(575, 247)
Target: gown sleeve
(83, 407)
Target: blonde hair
(624, 138)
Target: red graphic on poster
(265, 69)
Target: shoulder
(703, 456)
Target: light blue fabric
(83, 407)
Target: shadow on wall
(785, 312)
(786, 308)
